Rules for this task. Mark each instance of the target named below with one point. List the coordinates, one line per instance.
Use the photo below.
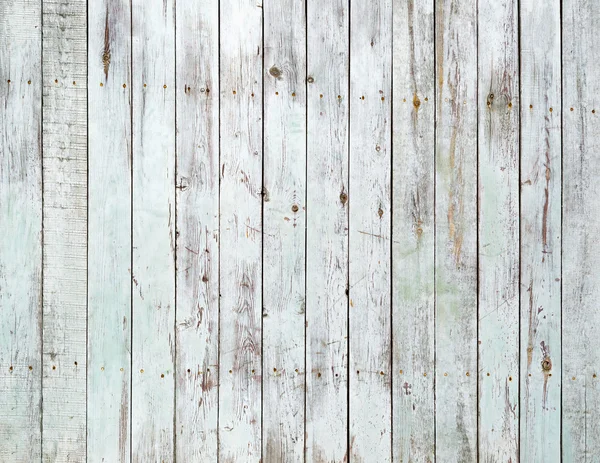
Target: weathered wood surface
(299, 231)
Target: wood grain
(541, 114)
(370, 402)
(197, 195)
(65, 230)
(498, 230)
(413, 231)
(327, 180)
(284, 230)
(20, 231)
(455, 230)
(580, 227)
(110, 277)
(241, 195)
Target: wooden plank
(581, 225)
(240, 336)
(541, 113)
(455, 230)
(21, 230)
(65, 229)
(284, 231)
(370, 405)
(498, 230)
(153, 324)
(327, 231)
(197, 336)
(413, 231)
(109, 231)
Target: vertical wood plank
(65, 229)
(284, 231)
(153, 342)
(498, 229)
(240, 335)
(455, 230)
(109, 231)
(197, 283)
(541, 113)
(413, 231)
(581, 226)
(21, 230)
(370, 230)
(328, 50)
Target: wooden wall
(299, 231)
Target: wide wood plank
(413, 231)
(197, 335)
(20, 230)
(541, 113)
(65, 230)
(109, 231)
(455, 230)
(581, 226)
(498, 229)
(241, 194)
(328, 51)
(370, 402)
(284, 231)
(153, 343)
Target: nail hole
(234, 92)
(101, 84)
(274, 370)
(510, 378)
(162, 375)
(165, 86)
(53, 367)
(75, 363)
(142, 370)
(30, 368)
(530, 106)
(124, 85)
(188, 370)
(551, 109)
(321, 95)
(319, 375)
(294, 94)
(468, 374)
(56, 81)
(445, 374)
(74, 83)
(101, 368)
(28, 82)
(295, 208)
(381, 373)
(401, 371)
(571, 109)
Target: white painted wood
(240, 336)
(498, 229)
(197, 190)
(413, 231)
(455, 230)
(20, 230)
(284, 231)
(109, 231)
(581, 225)
(328, 51)
(65, 230)
(370, 404)
(153, 338)
(540, 231)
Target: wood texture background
(299, 231)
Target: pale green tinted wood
(541, 112)
(109, 231)
(197, 335)
(581, 226)
(456, 230)
(284, 231)
(498, 229)
(370, 361)
(327, 231)
(241, 130)
(65, 230)
(153, 344)
(413, 231)
(20, 230)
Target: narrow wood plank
(541, 113)
(21, 230)
(455, 230)
(498, 229)
(153, 324)
(581, 226)
(240, 336)
(109, 231)
(413, 231)
(370, 231)
(284, 231)
(197, 283)
(328, 51)
(65, 230)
